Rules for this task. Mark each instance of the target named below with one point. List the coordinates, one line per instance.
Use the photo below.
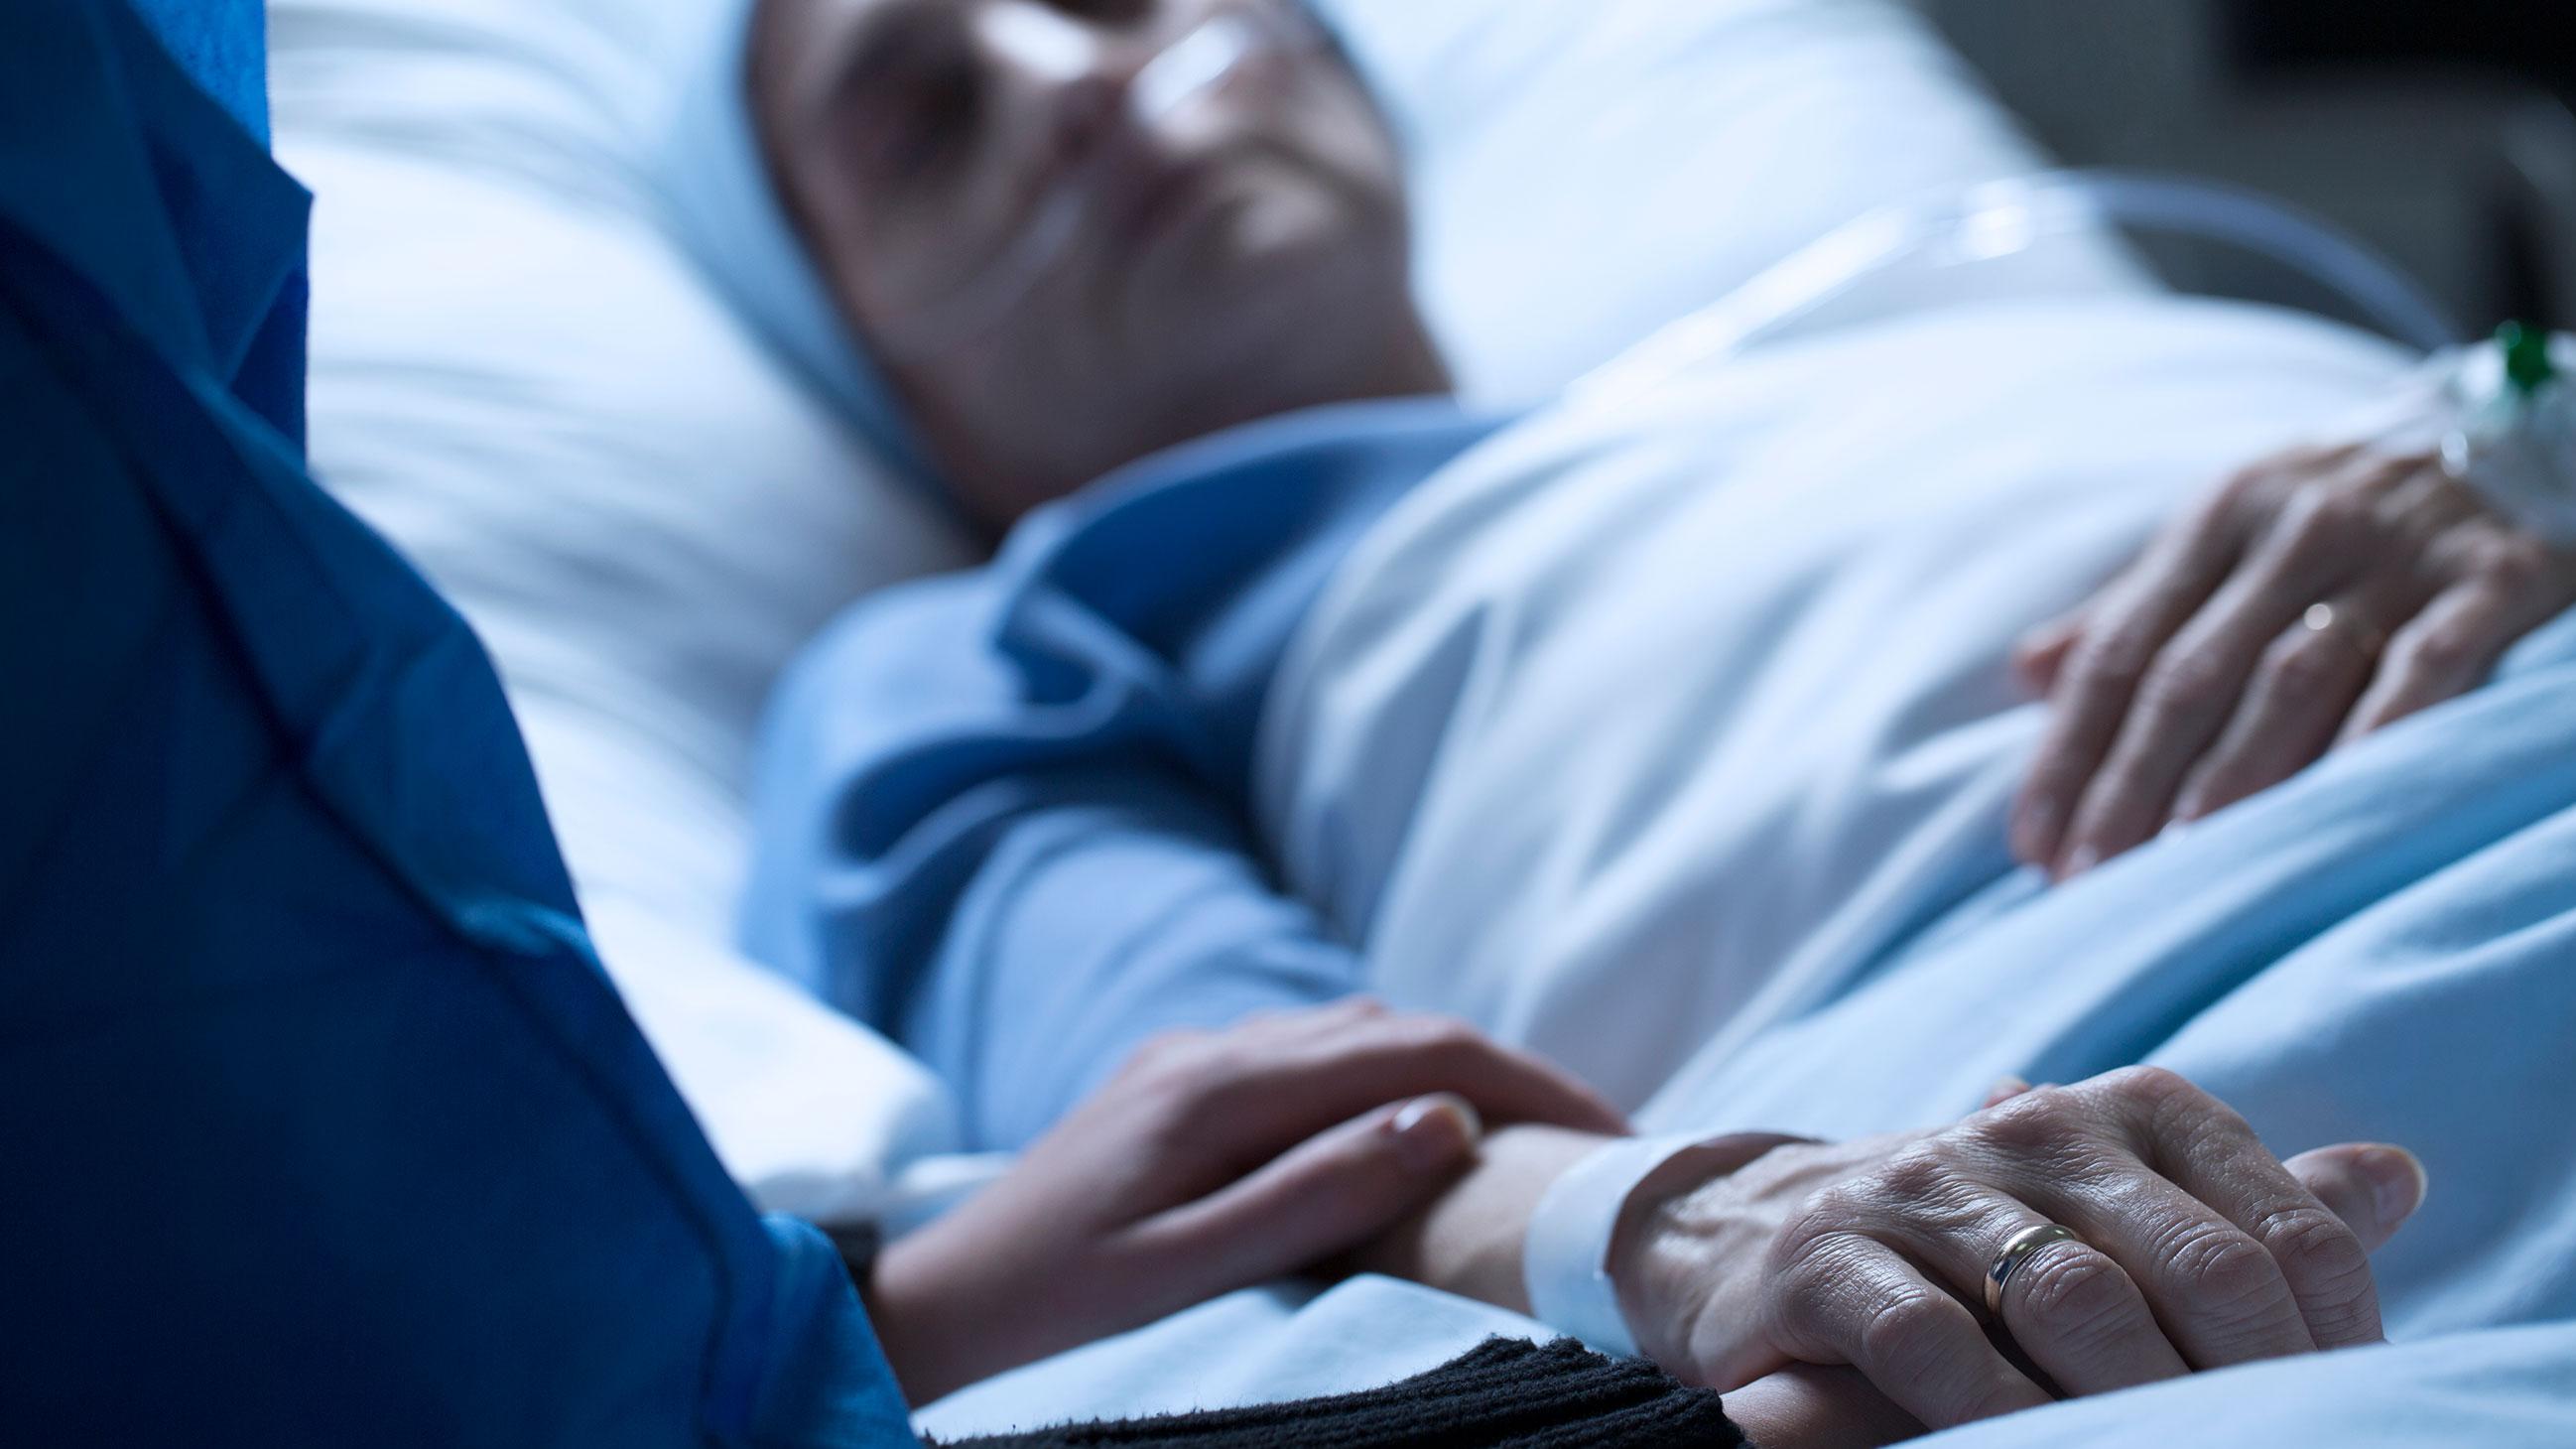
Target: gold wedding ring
(2017, 1250)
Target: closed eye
(911, 92)
(1106, 12)
(938, 115)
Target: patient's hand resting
(1210, 1163)
(2312, 599)
(2199, 1249)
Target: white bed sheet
(1646, 736)
(1655, 736)
(1791, 582)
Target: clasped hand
(1210, 1162)
(2196, 1249)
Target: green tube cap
(2526, 357)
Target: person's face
(1079, 230)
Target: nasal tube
(1196, 65)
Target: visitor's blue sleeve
(321, 1123)
(222, 46)
(1003, 816)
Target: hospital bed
(527, 383)
(525, 380)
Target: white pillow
(1588, 170)
(519, 381)
(1585, 171)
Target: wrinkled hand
(2199, 1249)
(1211, 1162)
(2316, 597)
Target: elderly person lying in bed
(1135, 282)
(1245, 258)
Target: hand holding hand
(1210, 1162)
(2195, 1249)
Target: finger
(2373, 1187)
(1319, 1199)
(2198, 678)
(2099, 676)
(2209, 1152)
(2302, 692)
(2005, 1090)
(2068, 1306)
(2079, 1316)
(1290, 1022)
(1854, 1301)
(1402, 1056)
(2217, 1292)
(2041, 654)
(2441, 653)
(2071, 1154)
(1264, 1102)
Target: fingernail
(1432, 1133)
(2398, 1182)
(2084, 858)
(2005, 1090)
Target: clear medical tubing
(1998, 221)
(2501, 416)
(1184, 69)
(2376, 289)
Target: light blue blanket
(2384, 949)
(1614, 739)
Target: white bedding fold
(1697, 695)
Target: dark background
(2528, 38)
(2439, 131)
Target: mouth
(1169, 195)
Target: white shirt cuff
(1565, 1256)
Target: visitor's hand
(2314, 598)
(1209, 1163)
(2197, 1249)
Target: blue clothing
(1028, 784)
(220, 46)
(322, 1124)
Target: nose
(1201, 62)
